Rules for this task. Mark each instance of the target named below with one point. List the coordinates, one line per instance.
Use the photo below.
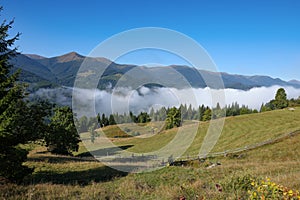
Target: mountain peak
(72, 53)
(70, 57)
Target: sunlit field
(82, 177)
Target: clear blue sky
(242, 36)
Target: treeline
(84, 123)
(184, 112)
(294, 102)
(175, 116)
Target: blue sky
(242, 36)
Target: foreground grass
(60, 177)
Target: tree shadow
(73, 177)
(133, 158)
(110, 155)
(61, 159)
(85, 156)
(99, 174)
(105, 152)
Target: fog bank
(125, 99)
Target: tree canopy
(173, 118)
(62, 137)
(281, 100)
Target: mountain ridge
(294, 82)
(34, 56)
(62, 70)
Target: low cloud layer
(124, 99)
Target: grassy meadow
(82, 177)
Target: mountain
(34, 56)
(64, 67)
(33, 66)
(248, 82)
(62, 71)
(294, 82)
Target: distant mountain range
(42, 72)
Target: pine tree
(189, 112)
(104, 121)
(162, 113)
(92, 122)
(92, 131)
(83, 124)
(111, 120)
(201, 112)
(173, 118)
(207, 115)
(14, 120)
(183, 110)
(143, 117)
(152, 113)
(99, 120)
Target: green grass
(65, 177)
(238, 132)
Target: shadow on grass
(85, 156)
(104, 152)
(60, 159)
(73, 177)
(85, 177)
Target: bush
(239, 185)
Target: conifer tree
(14, 120)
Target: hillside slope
(238, 132)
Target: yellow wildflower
(258, 189)
(254, 194)
(273, 184)
(284, 193)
